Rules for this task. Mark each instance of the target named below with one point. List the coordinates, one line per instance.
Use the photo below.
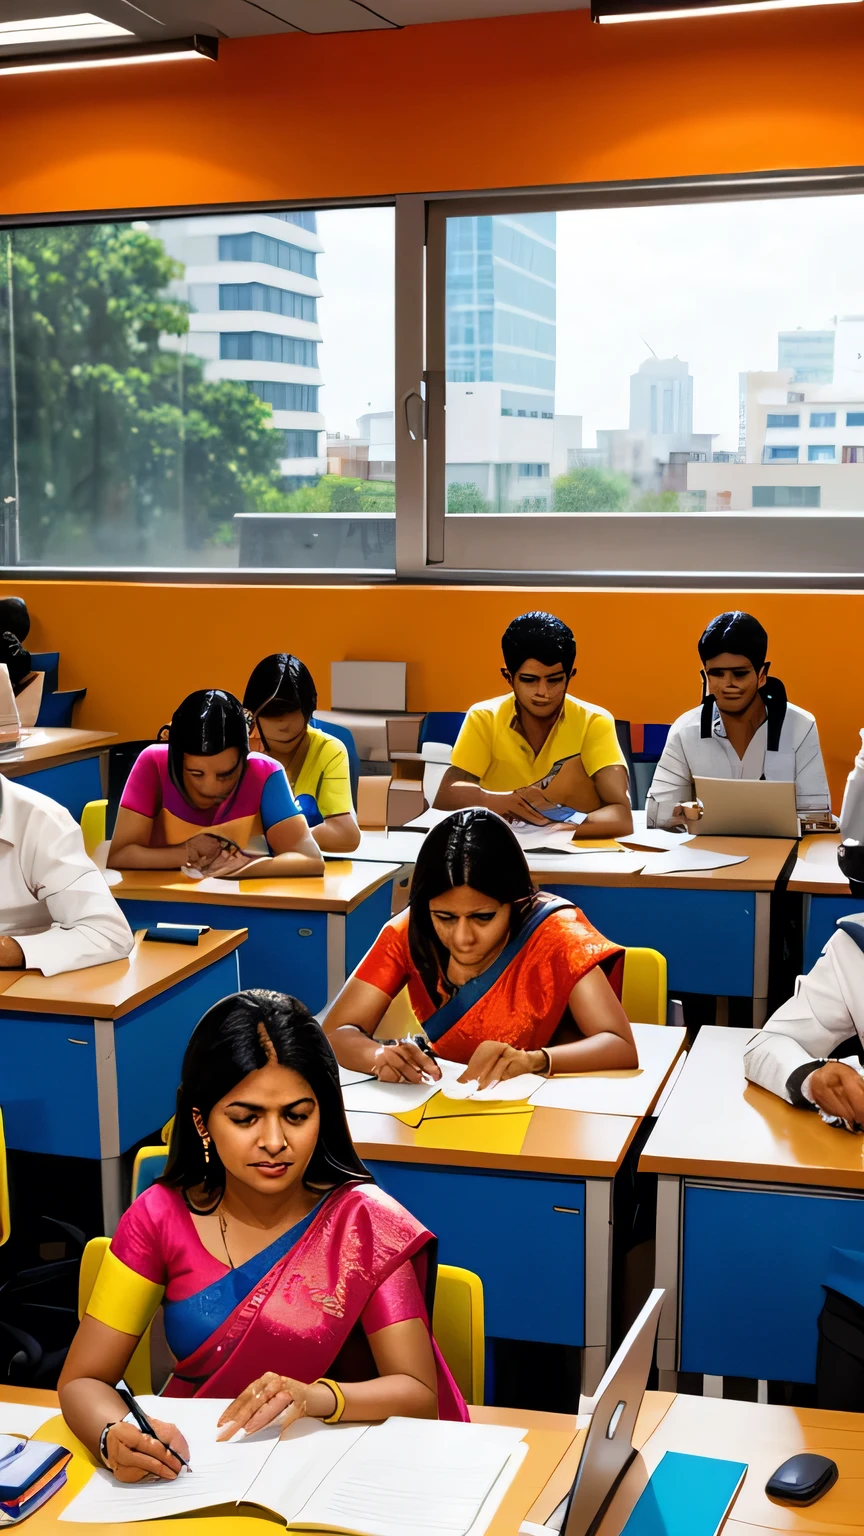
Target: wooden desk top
(51, 746)
(717, 1125)
(558, 1141)
(766, 859)
(817, 872)
(112, 990)
(341, 888)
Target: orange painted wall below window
(141, 648)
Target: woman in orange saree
(502, 977)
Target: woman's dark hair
(475, 848)
(538, 635)
(280, 684)
(238, 1035)
(739, 634)
(14, 618)
(207, 722)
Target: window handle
(414, 407)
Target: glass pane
(197, 392)
(699, 357)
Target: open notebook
(418, 1475)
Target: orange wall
(141, 648)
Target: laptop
(746, 808)
(608, 1449)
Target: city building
(659, 442)
(500, 360)
(809, 354)
(252, 285)
(371, 455)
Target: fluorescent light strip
(60, 29)
(720, 10)
(184, 49)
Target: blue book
(687, 1496)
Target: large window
(196, 392)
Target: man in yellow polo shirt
(536, 746)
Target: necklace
(223, 1226)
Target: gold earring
(206, 1141)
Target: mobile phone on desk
(175, 933)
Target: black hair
(740, 634)
(477, 848)
(14, 629)
(282, 680)
(207, 722)
(14, 618)
(238, 1035)
(538, 635)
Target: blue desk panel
(363, 925)
(72, 784)
(823, 914)
(754, 1263)
(48, 1089)
(708, 937)
(502, 1226)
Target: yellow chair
(93, 824)
(149, 1164)
(643, 993)
(5, 1213)
(137, 1374)
(458, 1326)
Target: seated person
(501, 976)
(263, 1196)
(795, 1054)
(204, 778)
(744, 729)
(536, 746)
(14, 629)
(852, 809)
(56, 911)
(281, 699)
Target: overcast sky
(711, 283)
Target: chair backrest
(5, 1211)
(643, 993)
(459, 1328)
(149, 1164)
(442, 725)
(122, 757)
(57, 709)
(137, 1374)
(622, 731)
(49, 663)
(342, 733)
(93, 825)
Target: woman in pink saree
(290, 1284)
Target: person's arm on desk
(294, 853)
(337, 834)
(351, 1024)
(459, 790)
(670, 800)
(11, 954)
(87, 926)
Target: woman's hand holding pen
(272, 1396)
(403, 1062)
(131, 1455)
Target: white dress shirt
(686, 754)
(826, 1010)
(53, 900)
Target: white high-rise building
(252, 284)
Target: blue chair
(646, 760)
(49, 663)
(443, 726)
(122, 757)
(56, 709)
(341, 733)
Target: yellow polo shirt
(325, 774)
(491, 747)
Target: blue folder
(687, 1496)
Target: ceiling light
(59, 29)
(607, 11)
(179, 48)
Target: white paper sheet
(689, 861)
(656, 838)
(24, 1418)
(347, 1077)
(588, 863)
(511, 1090)
(373, 1098)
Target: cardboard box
(375, 685)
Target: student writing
(536, 745)
(281, 699)
(203, 797)
(503, 978)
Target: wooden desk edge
(315, 901)
(808, 1179)
(502, 1162)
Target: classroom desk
(66, 765)
(752, 1197)
(817, 877)
(550, 1438)
(550, 1200)
(305, 935)
(91, 1059)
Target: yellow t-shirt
(325, 774)
(492, 748)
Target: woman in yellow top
(281, 698)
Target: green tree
(123, 445)
(657, 501)
(590, 490)
(464, 496)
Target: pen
(145, 1426)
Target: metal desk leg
(335, 954)
(666, 1274)
(761, 940)
(598, 1282)
(109, 1125)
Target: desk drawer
(754, 1262)
(48, 1084)
(505, 1227)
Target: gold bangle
(324, 1381)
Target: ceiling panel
(330, 15)
(409, 12)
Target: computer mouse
(802, 1479)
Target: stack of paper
(656, 838)
(689, 861)
(367, 1095)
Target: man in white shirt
(56, 911)
(789, 1056)
(744, 729)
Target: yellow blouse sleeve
(123, 1300)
